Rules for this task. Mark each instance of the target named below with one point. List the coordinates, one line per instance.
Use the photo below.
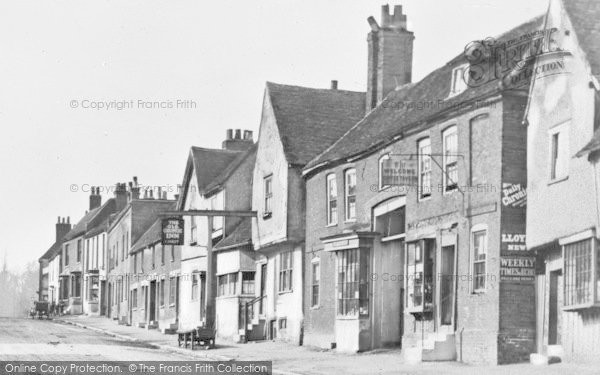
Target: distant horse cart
(40, 309)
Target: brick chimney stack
(390, 55)
(235, 140)
(121, 195)
(62, 227)
(95, 198)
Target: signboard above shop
(172, 231)
(399, 172)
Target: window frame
(594, 270)
(332, 218)
(286, 268)
(172, 290)
(380, 161)
(458, 74)
(476, 229)
(451, 130)
(349, 172)
(246, 283)
(421, 144)
(352, 277)
(195, 286)
(268, 196)
(315, 299)
(561, 132)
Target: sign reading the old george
(399, 172)
(172, 231)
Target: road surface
(46, 340)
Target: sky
(95, 92)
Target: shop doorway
(447, 286)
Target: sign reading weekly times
(172, 231)
(399, 172)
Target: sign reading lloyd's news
(172, 231)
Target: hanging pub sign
(399, 172)
(172, 231)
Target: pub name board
(172, 231)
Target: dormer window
(459, 79)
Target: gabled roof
(240, 236)
(309, 120)
(208, 163)
(411, 106)
(232, 167)
(585, 17)
(151, 236)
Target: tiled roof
(221, 178)
(80, 227)
(240, 236)
(585, 17)
(52, 251)
(410, 106)
(309, 120)
(151, 236)
(209, 163)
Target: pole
(211, 282)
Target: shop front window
(419, 275)
(353, 282)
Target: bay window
(353, 282)
(581, 273)
(248, 282)
(350, 194)
(227, 284)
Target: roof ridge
(270, 83)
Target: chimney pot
(151, 194)
(159, 195)
(238, 134)
(68, 219)
(229, 134)
(164, 195)
(334, 84)
(58, 220)
(135, 182)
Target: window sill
(285, 291)
(331, 225)
(350, 220)
(581, 306)
(267, 215)
(317, 307)
(557, 180)
(394, 237)
(423, 199)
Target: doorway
(447, 286)
(103, 297)
(152, 302)
(263, 282)
(553, 310)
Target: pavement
(101, 335)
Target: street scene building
(454, 218)
(562, 120)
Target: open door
(152, 302)
(447, 286)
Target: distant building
(125, 229)
(50, 264)
(563, 200)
